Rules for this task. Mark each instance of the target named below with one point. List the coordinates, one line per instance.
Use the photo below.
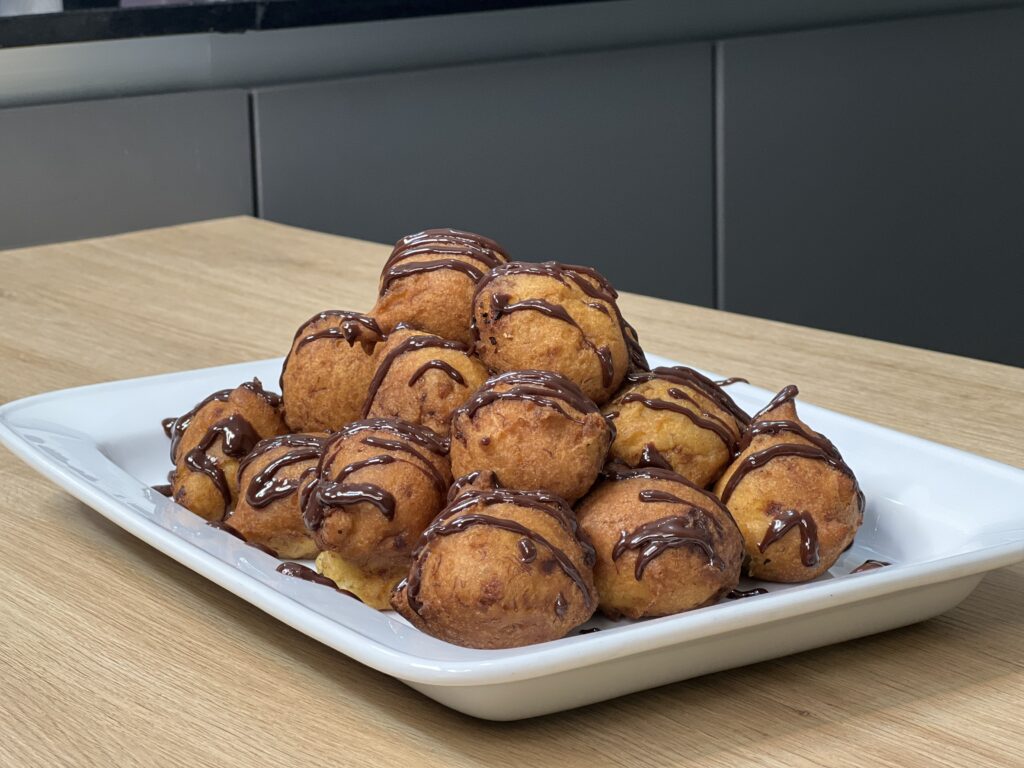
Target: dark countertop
(84, 20)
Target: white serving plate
(942, 517)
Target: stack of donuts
(487, 453)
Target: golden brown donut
(271, 481)
(428, 281)
(500, 569)
(422, 378)
(554, 317)
(326, 373)
(533, 429)
(677, 419)
(796, 501)
(663, 544)
(208, 442)
(378, 484)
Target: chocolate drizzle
(588, 280)
(502, 304)
(731, 380)
(460, 516)
(174, 427)
(265, 487)
(413, 344)
(451, 247)
(650, 456)
(527, 551)
(819, 448)
(785, 519)
(470, 479)
(694, 529)
(694, 380)
(323, 494)
(237, 438)
(870, 565)
(437, 365)
(300, 571)
(353, 327)
(543, 388)
(739, 594)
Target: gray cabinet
(601, 158)
(873, 181)
(93, 168)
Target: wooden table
(113, 654)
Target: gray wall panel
(93, 168)
(873, 181)
(601, 158)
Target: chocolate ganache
(588, 280)
(461, 515)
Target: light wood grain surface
(113, 654)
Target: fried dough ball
(422, 378)
(428, 281)
(554, 317)
(796, 501)
(533, 429)
(663, 544)
(271, 481)
(208, 442)
(378, 484)
(500, 569)
(677, 419)
(327, 371)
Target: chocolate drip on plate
(870, 565)
(300, 571)
(739, 594)
(163, 489)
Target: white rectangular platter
(942, 517)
